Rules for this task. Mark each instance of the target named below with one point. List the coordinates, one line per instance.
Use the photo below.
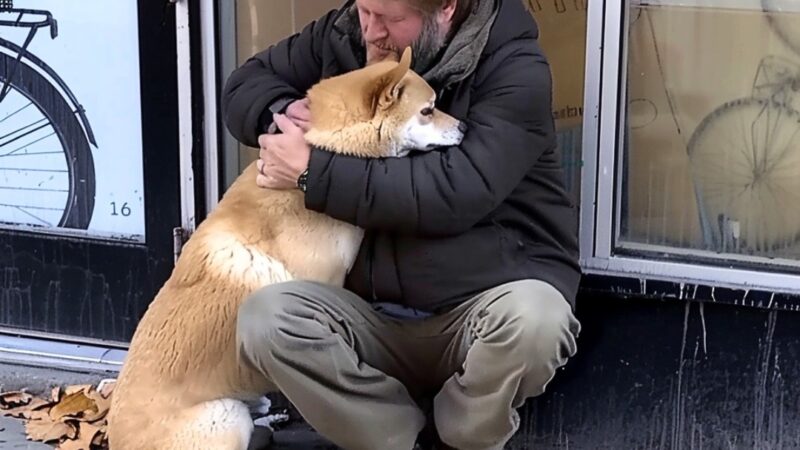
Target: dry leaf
(28, 411)
(55, 394)
(14, 399)
(86, 434)
(106, 387)
(74, 415)
(100, 437)
(72, 405)
(102, 406)
(76, 388)
(46, 431)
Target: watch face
(301, 180)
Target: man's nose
(374, 29)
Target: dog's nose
(462, 127)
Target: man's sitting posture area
(459, 305)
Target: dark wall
(673, 374)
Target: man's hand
(299, 113)
(283, 157)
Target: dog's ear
(390, 84)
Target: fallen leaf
(14, 399)
(76, 388)
(86, 435)
(102, 406)
(106, 387)
(55, 394)
(72, 405)
(46, 431)
(100, 437)
(28, 411)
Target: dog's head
(382, 110)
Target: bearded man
(459, 306)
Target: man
(462, 292)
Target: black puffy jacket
(445, 225)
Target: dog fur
(182, 385)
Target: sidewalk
(297, 435)
(36, 380)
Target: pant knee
(534, 316)
(260, 309)
(264, 317)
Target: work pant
(357, 375)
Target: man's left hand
(283, 157)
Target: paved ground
(12, 436)
(36, 380)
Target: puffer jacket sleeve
(446, 192)
(284, 71)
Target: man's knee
(535, 316)
(265, 311)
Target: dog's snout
(462, 127)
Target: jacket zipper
(370, 266)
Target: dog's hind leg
(219, 424)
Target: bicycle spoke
(20, 137)
(21, 129)
(23, 169)
(15, 112)
(15, 188)
(32, 154)
(786, 149)
(27, 213)
(42, 208)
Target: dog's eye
(427, 112)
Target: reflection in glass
(712, 129)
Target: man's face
(389, 26)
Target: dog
(182, 385)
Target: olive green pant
(357, 375)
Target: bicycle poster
(70, 119)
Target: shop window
(710, 131)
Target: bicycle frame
(22, 52)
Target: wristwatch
(302, 181)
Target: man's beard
(425, 49)
(427, 46)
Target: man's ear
(390, 85)
(445, 15)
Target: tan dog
(182, 385)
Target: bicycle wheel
(47, 174)
(745, 161)
(785, 23)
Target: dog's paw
(268, 421)
(260, 406)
